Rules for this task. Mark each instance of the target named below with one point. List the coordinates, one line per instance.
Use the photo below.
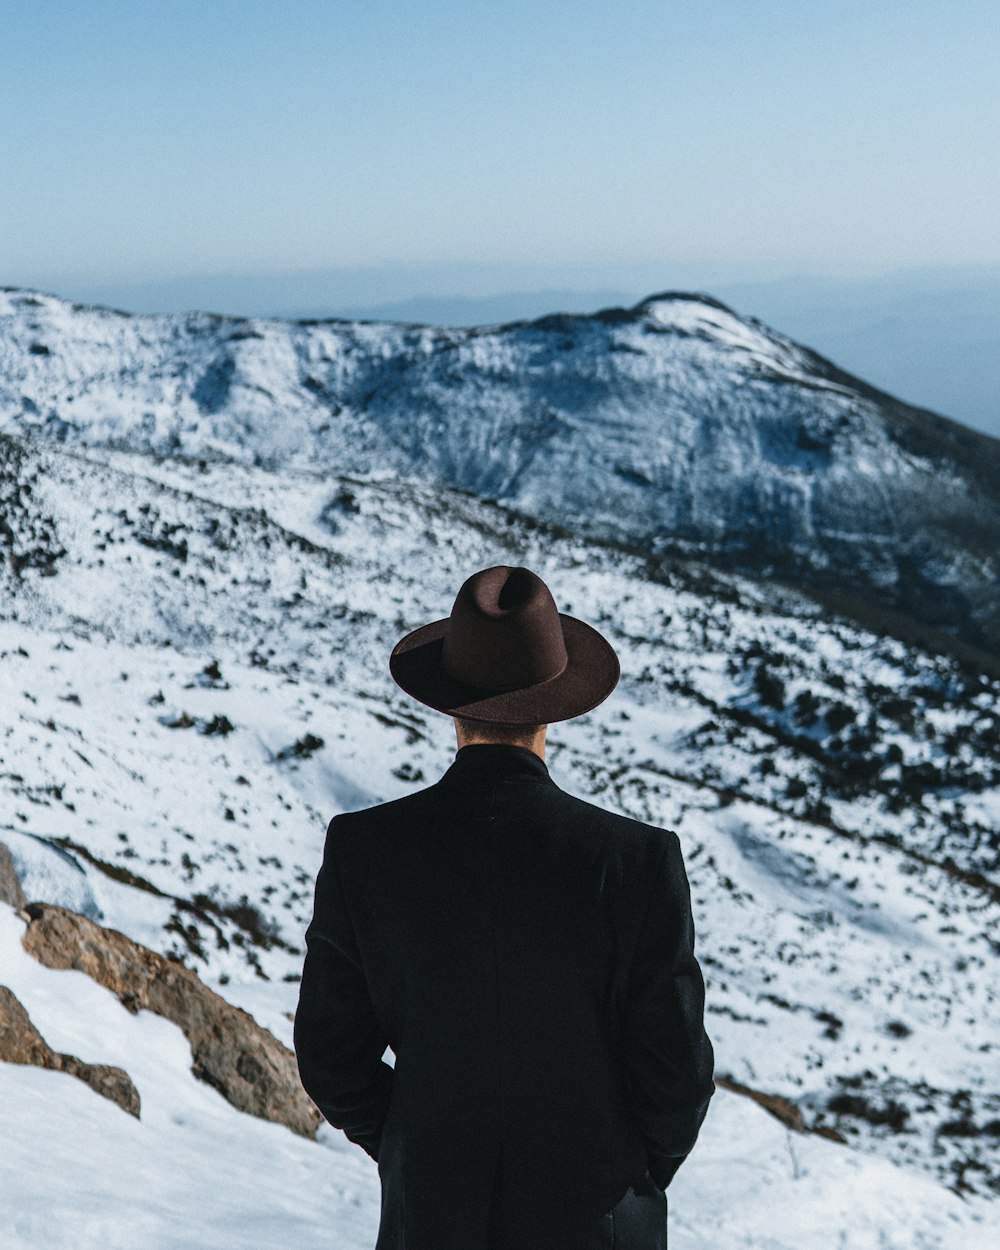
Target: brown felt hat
(506, 655)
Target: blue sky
(147, 141)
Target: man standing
(528, 957)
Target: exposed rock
(10, 885)
(781, 1108)
(21, 1042)
(230, 1051)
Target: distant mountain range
(675, 428)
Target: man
(528, 957)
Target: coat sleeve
(338, 1042)
(668, 1055)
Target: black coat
(529, 959)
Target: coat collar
(495, 762)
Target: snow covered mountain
(674, 427)
(193, 641)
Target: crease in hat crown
(504, 632)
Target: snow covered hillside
(193, 676)
(674, 427)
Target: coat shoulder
(552, 810)
(393, 813)
(645, 840)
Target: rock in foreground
(230, 1051)
(10, 885)
(21, 1042)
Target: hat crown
(504, 632)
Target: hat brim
(590, 675)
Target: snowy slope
(190, 1172)
(193, 671)
(675, 427)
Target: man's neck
(535, 743)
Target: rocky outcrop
(10, 885)
(230, 1051)
(21, 1042)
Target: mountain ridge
(674, 426)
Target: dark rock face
(21, 1042)
(230, 1051)
(10, 885)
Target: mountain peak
(683, 297)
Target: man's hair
(511, 735)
